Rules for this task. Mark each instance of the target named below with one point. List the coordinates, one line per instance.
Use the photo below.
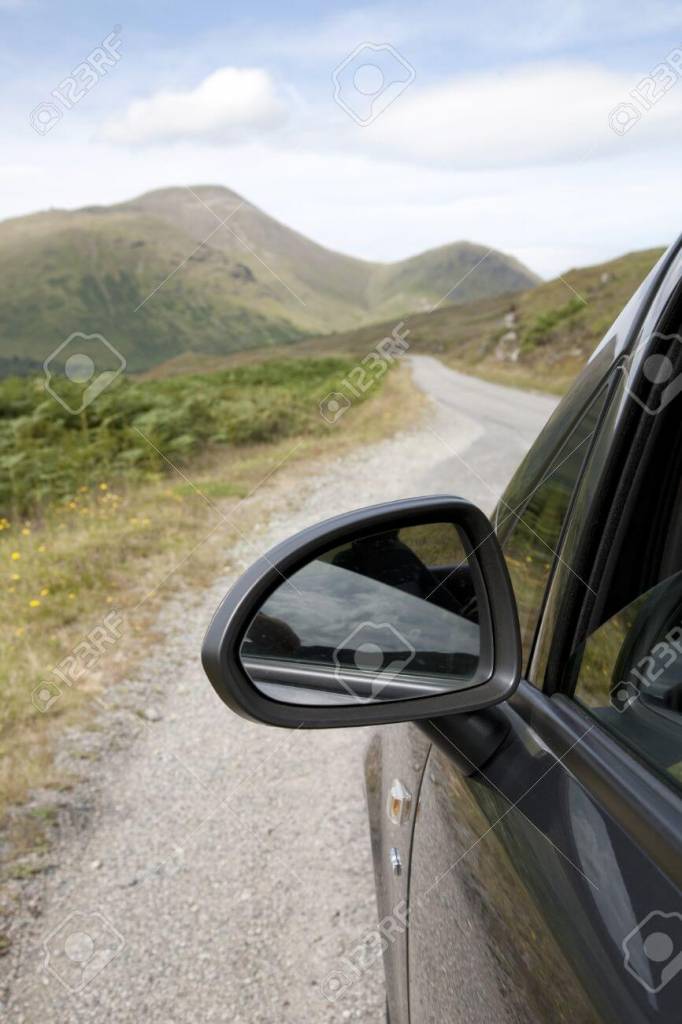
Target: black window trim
(562, 640)
(643, 804)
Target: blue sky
(489, 122)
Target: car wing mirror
(397, 612)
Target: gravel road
(210, 869)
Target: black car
(526, 818)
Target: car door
(546, 874)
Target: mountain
(540, 337)
(202, 270)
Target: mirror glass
(391, 616)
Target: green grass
(557, 324)
(212, 489)
(137, 428)
(540, 331)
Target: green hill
(160, 276)
(540, 337)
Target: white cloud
(500, 159)
(539, 114)
(226, 106)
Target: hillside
(540, 337)
(160, 276)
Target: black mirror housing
(500, 644)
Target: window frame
(626, 429)
(643, 805)
(563, 421)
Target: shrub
(46, 453)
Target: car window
(537, 521)
(630, 675)
(627, 667)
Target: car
(525, 807)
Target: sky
(547, 130)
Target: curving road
(214, 870)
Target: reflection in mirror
(391, 616)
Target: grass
(135, 427)
(556, 326)
(541, 328)
(119, 534)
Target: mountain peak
(185, 193)
(201, 269)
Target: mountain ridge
(202, 269)
(539, 338)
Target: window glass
(631, 675)
(537, 522)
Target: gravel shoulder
(209, 869)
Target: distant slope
(539, 337)
(451, 274)
(160, 276)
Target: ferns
(46, 453)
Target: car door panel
(524, 885)
(481, 949)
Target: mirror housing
(500, 637)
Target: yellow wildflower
(44, 592)
(34, 602)
(104, 487)
(15, 556)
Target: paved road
(214, 870)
